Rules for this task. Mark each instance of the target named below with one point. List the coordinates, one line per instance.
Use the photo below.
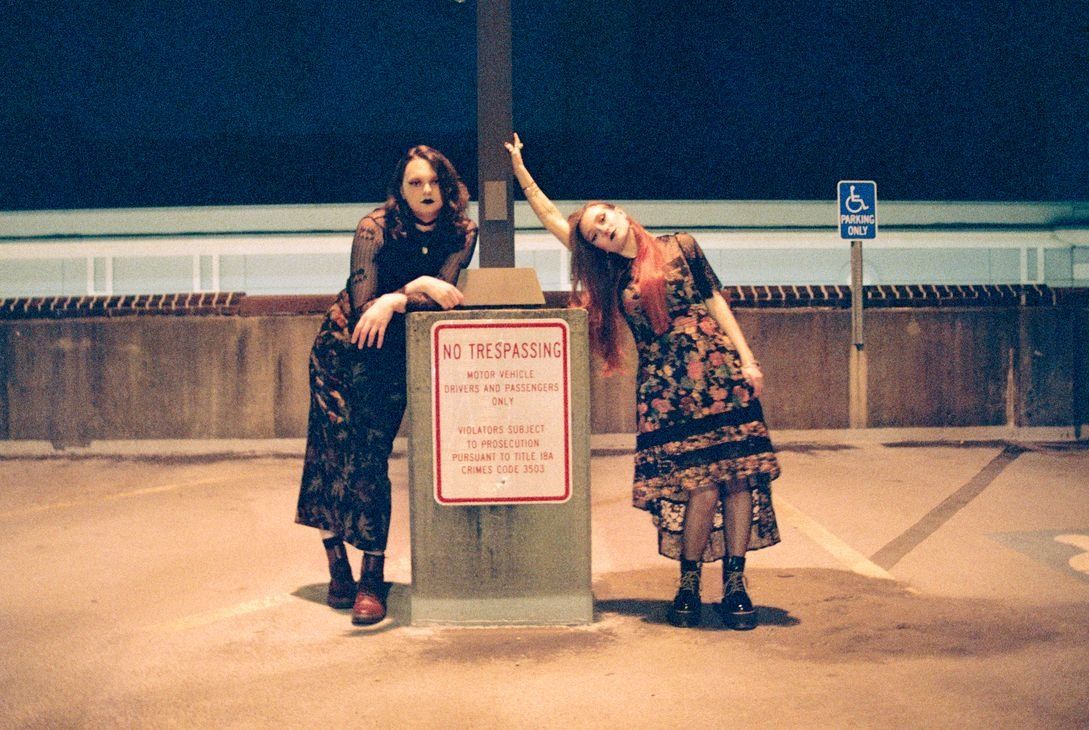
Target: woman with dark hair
(406, 256)
(704, 461)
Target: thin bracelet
(753, 364)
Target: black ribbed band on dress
(734, 417)
(667, 464)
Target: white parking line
(221, 614)
(108, 497)
(853, 560)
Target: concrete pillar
(499, 467)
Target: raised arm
(549, 215)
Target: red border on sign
(435, 418)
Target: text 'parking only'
(857, 209)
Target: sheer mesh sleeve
(363, 281)
(453, 265)
(706, 280)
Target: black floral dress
(358, 396)
(699, 424)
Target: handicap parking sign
(857, 209)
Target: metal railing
(296, 249)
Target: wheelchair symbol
(854, 202)
(1079, 562)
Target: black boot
(736, 607)
(342, 586)
(686, 607)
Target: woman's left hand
(754, 377)
(445, 294)
(370, 331)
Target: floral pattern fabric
(357, 401)
(358, 396)
(699, 424)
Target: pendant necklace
(425, 244)
(431, 226)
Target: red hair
(597, 277)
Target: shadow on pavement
(397, 605)
(653, 611)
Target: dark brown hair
(455, 196)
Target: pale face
(607, 228)
(420, 189)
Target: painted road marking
(855, 561)
(109, 497)
(221, 614)
(1079, 562)
(910, 539)
(1063, 550)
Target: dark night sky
(208, 102)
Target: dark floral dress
(699, 424)
(358, 396)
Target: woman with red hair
(704, 461)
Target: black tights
(372, 570)
(699, 515)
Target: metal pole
(858, 411)
(493, 128)
(856, 295)
(1080, 387)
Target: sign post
(493, 125)
(857, 222)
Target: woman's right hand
(514, 147)
(370, 330)
(445, 294)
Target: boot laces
(690, 582)
(735, 583)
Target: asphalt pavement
(922, 581)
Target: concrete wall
(156, 377)
(72, 381)
(804, 354)
(939, 367)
